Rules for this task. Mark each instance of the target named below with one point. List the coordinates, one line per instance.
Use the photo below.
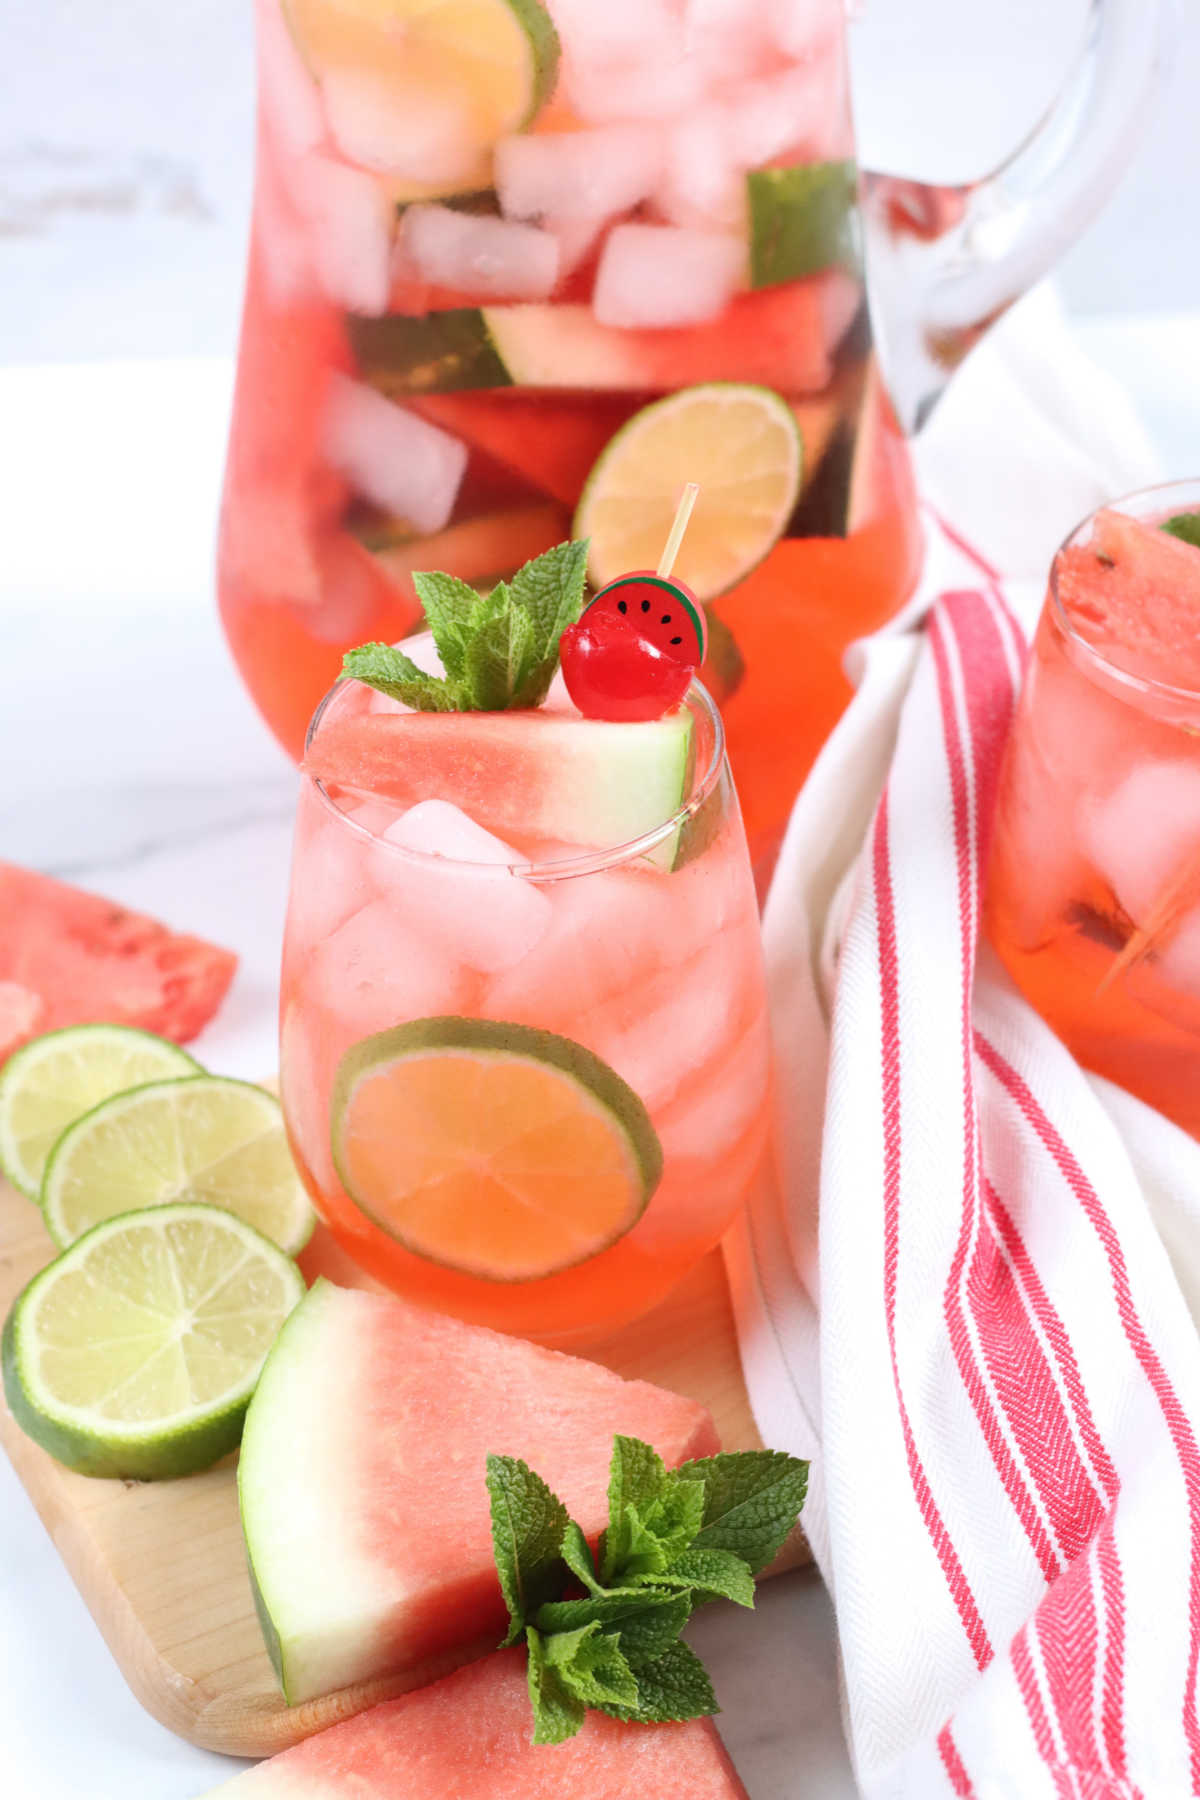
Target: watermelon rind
(502, 1041)
(149, 1055)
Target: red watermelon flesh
(364, 1504)
(468, 1738)
(552, 440)
(86, 960)
(1133, 593)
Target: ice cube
(710, 1114)
(802, 28)
(636, 89)
(419, 137)
(790, 111)
(608, 31)
(611, 932)
(659, 1036)
(665, 275)
(377, 970)
(491, 259)
(460, 893)
(578, 174)
(291, 104)
(576, 239)
(403, 463)
(729, 37)
(1145, 832)
(348, 220)
(1178, 960)
(702, 183)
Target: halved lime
(422, 89)
(135, 1353)
(498, 1150)
(207, 1138)
(739, 442)
(53, 1080)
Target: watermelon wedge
(1133, 593)
(551, 439)
(87, 960)
(580, 781)
(469, 1735)
(363, 1500)
(783, 337)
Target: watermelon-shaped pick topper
(631, 654)
(664, 612)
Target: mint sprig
(602, 1629)
(498, 650)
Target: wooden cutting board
(161, 1565)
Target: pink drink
(646, 954)
(1094, 888)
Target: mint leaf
(802, 219)
(646, 1619)
(709, 1575)
(656, 1534)
(1185, 526)
(383, 667)
(499, 650)
(448, 604)
(671, 1687)
(528, 1522)
(550, 590)
(751, 1501)
(577, 1554)
(557, 1713)
(637, 1475)
(591, 1666)
(500, 657)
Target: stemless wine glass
(1094, 884)
(525, 1083)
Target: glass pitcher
(502, 253)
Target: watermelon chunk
(469, 1735)
(782, 336)
(1133, 592)
(579, 781)
(363, 1499)
(88, 960)
(553, 440)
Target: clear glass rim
(702, 785)
(1165, 497)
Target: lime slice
(52, 1081)
(422, 89)
(209, 1138)
(802, 220)
(503, 1152)
(739, 442)
(136, 1352)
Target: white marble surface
(136, 765)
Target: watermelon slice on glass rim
(73, 958)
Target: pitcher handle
(946, 262)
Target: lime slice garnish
(51, 1082)
(424, 88)
(739, 442)
(207, 1139)
(136, 1352)
(501, 1151)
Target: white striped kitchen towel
(984, 1347)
